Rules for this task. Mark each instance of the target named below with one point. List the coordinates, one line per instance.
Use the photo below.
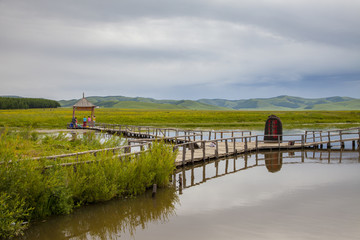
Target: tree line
(26, 103)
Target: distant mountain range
(284, 102)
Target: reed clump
(34, 189)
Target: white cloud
(213, 44)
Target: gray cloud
(179, 49)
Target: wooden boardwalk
(198, 145)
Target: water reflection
(273, 161)
(110, 220)
(311, 194)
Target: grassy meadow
(188, 119)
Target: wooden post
(217, 167)
(321, 136)
(183, 156)
(257, 144)
(226, 166)
(302, 156)
(306, 136)
(217, 149)
(203, 148)
(210, 135)
(302, 141)
(314, 136)
(204, 173)
(245, 147)
(329, 143)
(192, 177)
(226, 147)
(234, 142)
(342, 144)
(278, 142)
(192, 152)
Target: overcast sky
(180, 49)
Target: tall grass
(58, 118)
(31, 189)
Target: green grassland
(189, 119)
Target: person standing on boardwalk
(84, 122)
(89, 121)
(94, 119)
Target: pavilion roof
(83, 103)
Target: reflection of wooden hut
(84, 105)
(273, 161)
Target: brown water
(286, 195)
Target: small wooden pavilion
(84, 105)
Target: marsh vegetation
(34, 189)
(58, 118)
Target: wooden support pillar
(302, 142)
(192, 176)
(226, 166)
(234, 142)
(226, 147)
(204, 173)
(183, 155)
(217, 149)
(302, 156)
(257, 144)
(184, 178)
(180, 183)
(342, 145)
(192, 152)
(217, 167)
(203, 150)
(245, 146)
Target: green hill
(288, 103)
(143, 103)
(285, 103)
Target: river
(311, 194)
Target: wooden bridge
(199, 145)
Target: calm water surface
(273, 195)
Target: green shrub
(13, 213)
